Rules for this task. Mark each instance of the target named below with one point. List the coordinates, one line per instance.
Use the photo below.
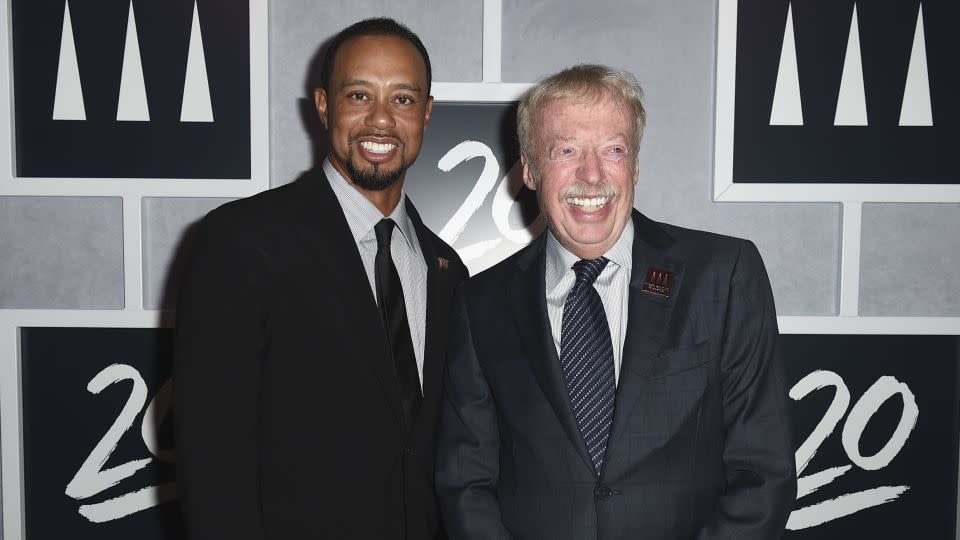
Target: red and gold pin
(658, 282)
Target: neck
(385, 199)
(589, 254)
(589, 251)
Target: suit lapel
(330, 244)
(647, 317)
(432, 349)
(529, 301)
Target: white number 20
(885, 388)
(92, 478)
(504, 198)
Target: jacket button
(409, 451)
(604, 493)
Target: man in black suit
(618, 378)
(312, 326)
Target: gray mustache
(588, 191)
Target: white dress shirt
(362, 216)
(613, 286)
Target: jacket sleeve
(758, 451)
(468, 441)
(218, 346)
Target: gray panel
(800, 244)
(61, 253)
(909, 256)
(670, 47)
(451, 31)
(639, 36)
(166, 226)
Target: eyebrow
(410, 87)
(565, 139)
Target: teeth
(377, 148)
(593, 202)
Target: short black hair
(376, 26)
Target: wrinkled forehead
(591, 99)
(551, 109)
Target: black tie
(586, 357)
(393, 310)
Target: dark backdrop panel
(927, 462)
(64, 422)
(458, 130)
(101, 146)
(818, 151)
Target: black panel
(438, 194)
(818, 151)
(63, 423)
(927, 462)
(101, 146)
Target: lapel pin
(658, 282)
(444, 263)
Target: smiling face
(584, 169)
(375, 110)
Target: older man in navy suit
(618, 378)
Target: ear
(426, 115)
(320, 99)
(528, 179)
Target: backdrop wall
(103, 249)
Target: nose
(590, 169)
(380, 115)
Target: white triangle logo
(68, 98)
(916, 110)
(132, 105)
(196, 105)
(851, 102)
(786, 109)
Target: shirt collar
(560, 260)
(361, 214)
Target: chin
(374, 178)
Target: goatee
(374, 179)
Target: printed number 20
(885, 388)
(91, 478)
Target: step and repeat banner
(875, 417)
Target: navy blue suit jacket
(700, 444)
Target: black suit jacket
(699, 446)
(287, 407)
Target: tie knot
(588, 269)
(383, 230)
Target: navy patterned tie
(586, 357)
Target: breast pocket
(681, 364)
(671, 395)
